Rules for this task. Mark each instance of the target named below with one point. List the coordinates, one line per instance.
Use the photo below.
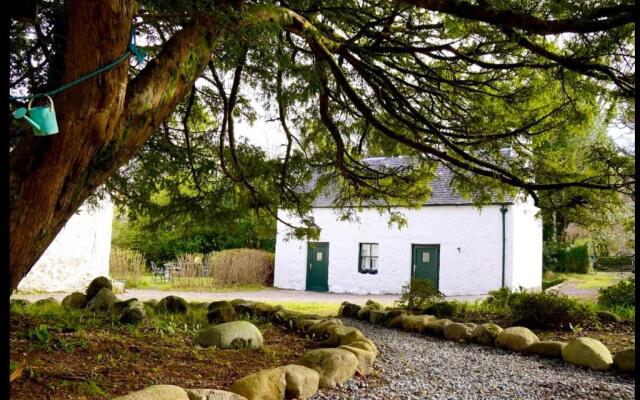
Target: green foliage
(541, 310)
(448, 309)
(622, 294)
(558, 258)
(612, 263)
(39, 334)
(417, 294)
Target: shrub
(558, 258)
(241, 267)
(446, 309)
(622, 294)
(546, 310)
(417, 294)
(499, 298)
(128, 265)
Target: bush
(622, 294)
(446, 309)
(417, 294)
(558, 258)
(546, 310)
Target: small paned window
(368, 263)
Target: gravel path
(571, 287)
(258, 295)
(412, 366)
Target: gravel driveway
(274, 295)
(412, 366)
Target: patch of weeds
(84, 388)
(40, 334)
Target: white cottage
(79, 253)
(463, 250)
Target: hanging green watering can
(43, 119)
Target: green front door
(318, 266)
(425, 262)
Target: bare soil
(97, 363)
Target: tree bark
(103, 122)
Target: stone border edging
(583, 351)
(348, 352)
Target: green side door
(318, 266)
(425, 262)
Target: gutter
(503, 210)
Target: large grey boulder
(302, 382)
(157, 392)
(335, 366)
(587, 352)
(75, 300)
(516, 338)
(98, 284)
(458, 332)
(231, 335)
(625, 360)
(102, 301)
(268, 384)
(213, 394)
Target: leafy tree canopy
(453, 82)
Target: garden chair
(157, 272)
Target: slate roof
(441, 191)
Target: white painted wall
(77, 255)
(527, 246)
(474, 269)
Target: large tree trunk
(103, 122)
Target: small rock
(102, 301)
(220, 311)
(96, 285)
(156, 392)
(75, 300)
(173, 304)
(608, 316)
(213, 394)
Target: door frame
(413, 253)
(306, 286)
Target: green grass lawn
(593, 280)
(328, 309)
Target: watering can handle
(50, 102)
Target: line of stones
(583, 351)
(347, 353)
